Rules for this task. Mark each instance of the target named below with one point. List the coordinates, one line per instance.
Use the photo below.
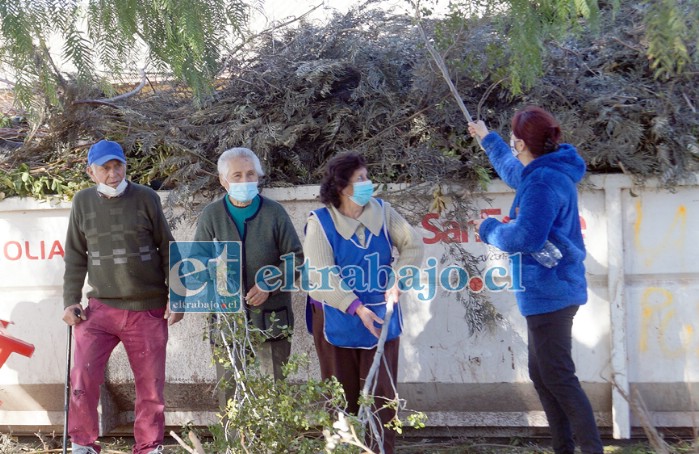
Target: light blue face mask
(243, 192)
(363, 191)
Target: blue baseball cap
(103, 151)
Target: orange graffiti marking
(659, 321)
(673, 236)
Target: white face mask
(110, 191)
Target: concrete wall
(638, 326)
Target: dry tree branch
(347, 434)
(373, 371)
(96, 102)
(365, 409)
(641, 412)
(486, 94)
(580, 58)
(185, 445)
(445, 72)
(634, 48)
(47, 54)
(195, 442)
(394, 125)
(109, 101)
(44, 451)
(689, 102)
(263, 32)
(132, 92)
(43, 440)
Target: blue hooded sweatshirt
(545, 208)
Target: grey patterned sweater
(122, 244)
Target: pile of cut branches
(364, 81)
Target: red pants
(351, 366)
(144, 335)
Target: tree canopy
(185, 37)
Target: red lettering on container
(31, 250)
(6, 249)
(454, 234)
(56, 249)
(426, 224)
(28, 253)
(490, 212)
(451, 232)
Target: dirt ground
(122, 445)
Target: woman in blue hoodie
(544, 174)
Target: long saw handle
(445, 74)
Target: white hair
(226, 157)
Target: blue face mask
(363, 191)
(243, 192)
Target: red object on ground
(10, 344)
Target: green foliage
(185, 37)
(263, 413)
(283, 416)
(62, 178)
(514, 47)
(672, 30)
(5, 120)
(23, 182)
(416, 420)
(146, 166)
(267, 415)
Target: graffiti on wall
(672, 236)
(665, 325)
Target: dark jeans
(552, 370)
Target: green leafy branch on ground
(290, 415)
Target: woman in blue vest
(545, 228)
(349, 246)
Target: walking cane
(66, 401)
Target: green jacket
(269, 235)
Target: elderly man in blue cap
(118, 236)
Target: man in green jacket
(267, 235)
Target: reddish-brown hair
(538, 129)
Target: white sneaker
(80, 449)
(157, 450)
